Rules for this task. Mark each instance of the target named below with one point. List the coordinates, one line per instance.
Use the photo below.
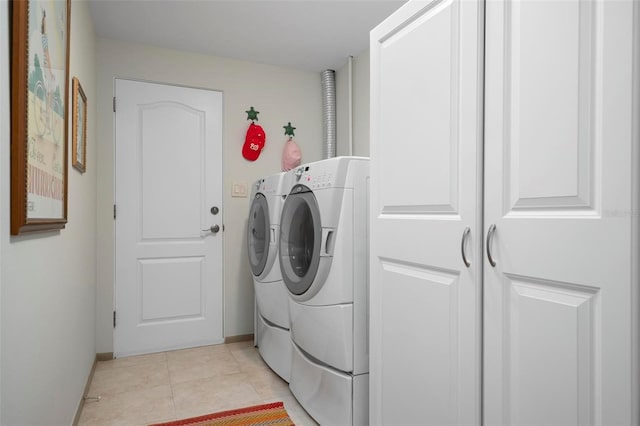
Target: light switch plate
(239, 189)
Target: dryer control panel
(314, 178)
(270, 185)
(337, 172)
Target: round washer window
(258, 234)
(299, 244)
(301, 239)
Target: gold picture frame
(39, 114)
(79, 126)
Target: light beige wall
(48, 279)
(360, 88)
(342, 110)
(281, 95)
(5, 135)
(361, 104)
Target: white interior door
(425, 184)
(168, 178)
(558, 152)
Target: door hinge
(114, 319)
(114, 104)
(114, 212)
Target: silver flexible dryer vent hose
(329, 113)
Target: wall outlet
(239, 189)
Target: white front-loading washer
(272, 309)
(322, 249)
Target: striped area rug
(272, 414)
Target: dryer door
(258, 234)
(300, 238)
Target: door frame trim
(635, 222)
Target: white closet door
(558, 145)
(425, 137)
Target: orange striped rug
(272, 414)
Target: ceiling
(310, 35)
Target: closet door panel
(550, 335)
(425, 378)
(421, 116)
(548, 104)
(557, 315)
(425, 148)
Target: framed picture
(79, 126)
(39, 114)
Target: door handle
(214, 229)
(490, 234)
(465, 234)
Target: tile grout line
(173, 402)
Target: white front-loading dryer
(322, 250)
(272, 309)
(262, 233)
(264, 217)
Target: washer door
(300, 240)
(258, 234)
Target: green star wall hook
(288, 130)
(252, 114)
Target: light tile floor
(166, 386)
